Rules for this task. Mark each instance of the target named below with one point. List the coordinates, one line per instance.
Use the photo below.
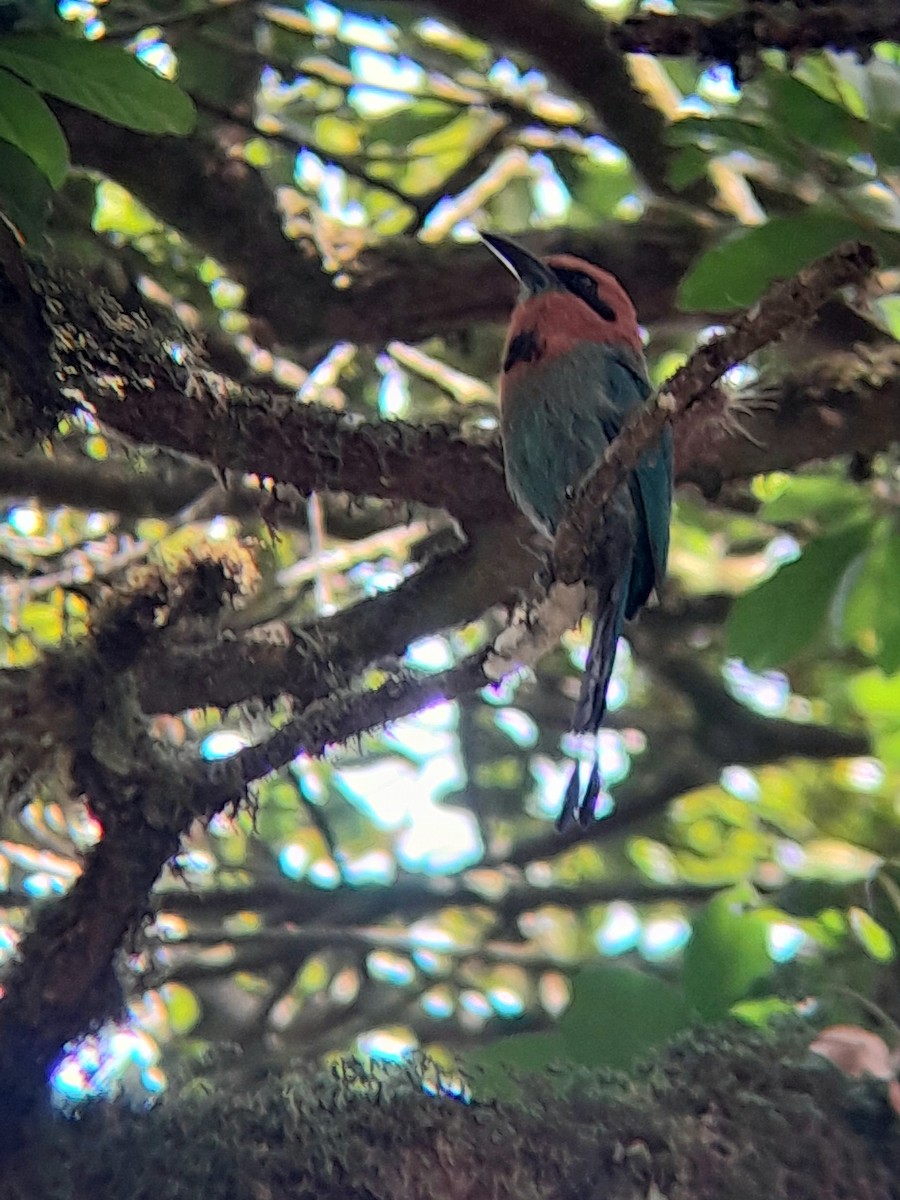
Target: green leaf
(597, 186)
(687, 165)
(874, 938)
(827, 500)
(27, 122)
(877, 696)
(335, 135)
(24, 192)
(618, 1014)
(885, 146)
(870, 621)
(412, 121)
(760, 1013)
(821, 123)
(727, 954)
(737, 271)
(117, 211)
(731, 134)
(101, 78)
(770, 624)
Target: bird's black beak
(534, 275)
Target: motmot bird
(573, 373)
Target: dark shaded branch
(223, 206)
(400, 290)
(313, 448)
(448, 591)
(732, 732)
(408, 896)
(336, 719)
(127, 371)
(63, 979)
(796, 28)
(844, 404)
(264, 949)
(82, 483)
(841, 405)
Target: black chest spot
(523, 348)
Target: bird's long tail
(579, 803)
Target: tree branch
(449, 591)
(401, 290)
(795, 28)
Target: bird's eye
(585, 288)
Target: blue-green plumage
(558, 419)
(573, 375)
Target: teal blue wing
(651, 491)
(651, 481)
(559, 421)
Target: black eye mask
(585, 289)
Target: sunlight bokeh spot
(828, 858)
(429, 654)
(518, 726)
(781, 550)
(438, 1002)
(344, 988)
(168, 927)
(41, 884)
(663, 937)
(195, 862)
(25, 520)
(554, 992)
(160, 56)
(391, 968)
(393, 391)
(223, 743)
(76, 10)
(293, 859)
(766, 692)
(377, 866)
(620, 930)
(654, 858)
(551, 777)
(505, 689)
(387, 1045)
(865, 774)
(785, 941)
(717, 83)
(740, 376)
(324, 873)
(552, 199)
(505, 1002)
(109, 1063)
(740, 782)
(387, 790)
(432, 937)
(381, 75)
(441, 839)
(475, 1004)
